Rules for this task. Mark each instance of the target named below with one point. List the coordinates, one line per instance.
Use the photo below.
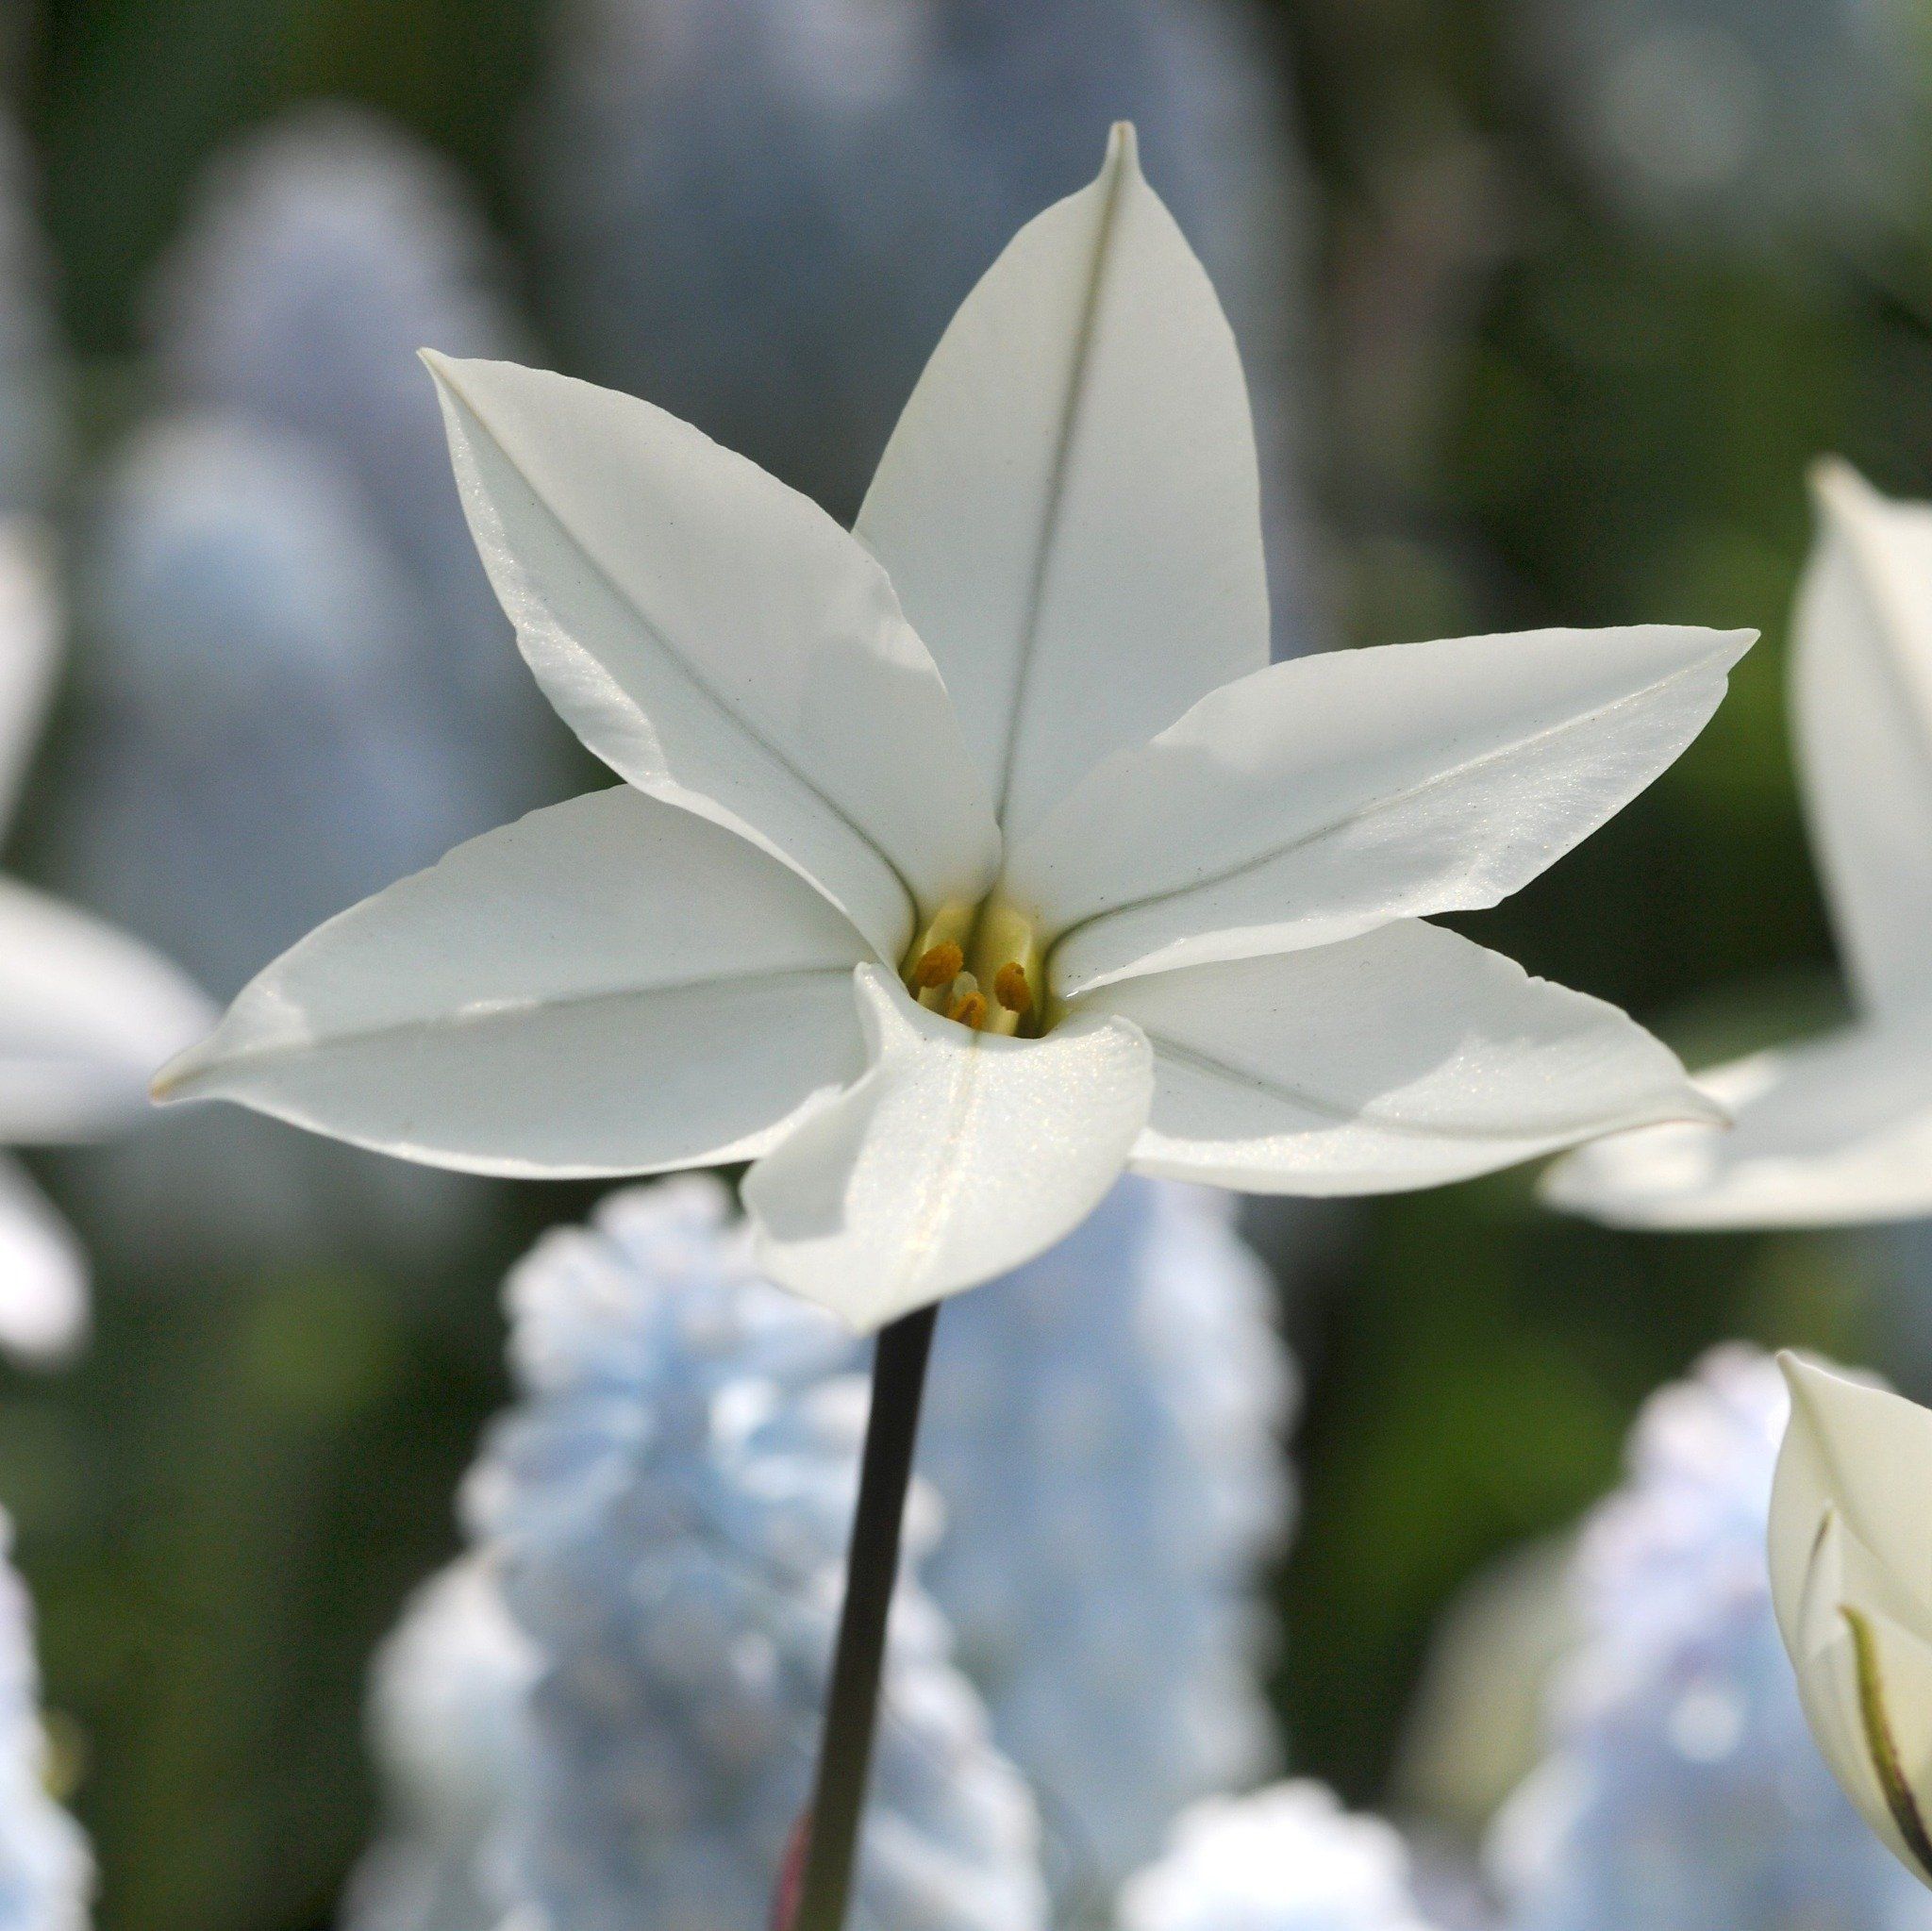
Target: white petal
(1319, 798)
(1863, 1454)
(1069, 507)
(1403, 1058)
(719, 641)
(610, 985)
(1832, 1133)
(1862, 677)
(959, 1155)
(29, 645)
(1865, 1682)
(1827, 1665)
(43, 1273)
(86, 1015)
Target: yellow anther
(1010, 989)
(970, 1010)
(939, 965)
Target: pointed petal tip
(1123, 145)
(1840, 493)
(175, 1080)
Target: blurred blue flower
(449, 1722)
(320, 255)
(1683, 1791)
(1104, 1428)
(1744, 121)
(253, 764)
(666, 1510)
(296, 684)
(46, 1874)
(762, 213)
(669, 1504)
(1287, 1859)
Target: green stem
(898, 1386)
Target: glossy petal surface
(1069, 507)
(1403, 1058)
(959, 1155)
(1861, 689)
(1322, 797)
(718, 640)
(1834, 1132)
(609, 986)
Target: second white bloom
(967, 858)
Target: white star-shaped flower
(85, 1013)
(1836, 1130)
(1010, 765)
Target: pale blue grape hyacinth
(256, 763)
(1288, 1858)
(46, 1872)
(253, 752)
(321, 255)
(1683, 1791)
(1104, 1427)
(762, 213)
(669, 1504)
(450, 1728)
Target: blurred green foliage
(1529, 412)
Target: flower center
(981, 966)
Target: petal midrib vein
(484, 1013)
(1208, 1064)
(1385, 802)
(1066, 437)
(669, 657)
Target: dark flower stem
(832, 1843)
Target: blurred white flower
(1289, 1859)
(1850, 1577)
(1104, 1428)
(1072, 945)
(1838, 1129)
(669, 1504)
(85, 1013)
(785, 306)
(1682, 1792)
(46, 1872)
(450, 1726)
(1740, 121)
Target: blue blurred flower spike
(667, 1504)
(762, 214)
(1289, 1859)
(1104, 1431)
(1682, 1790)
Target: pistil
(968, 949)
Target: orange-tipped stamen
(939, 965)
(1010, 989)
(969, 1009)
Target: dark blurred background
(1549, 306)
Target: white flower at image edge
(1851, 1579)
(86, 1013)
(966, 859)
(1837, 1129)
